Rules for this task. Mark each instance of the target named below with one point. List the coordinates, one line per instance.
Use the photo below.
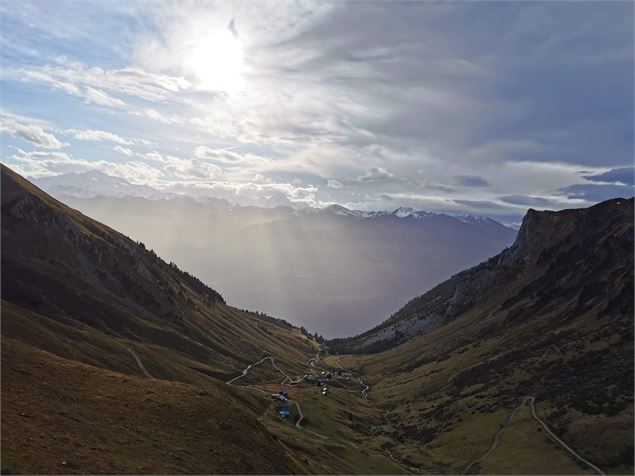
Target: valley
(308, 265)
(317, 237)
(115, 361)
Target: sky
(468, 107)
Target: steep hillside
(115, 361)
(60, 264)
(548, 322)
(546, 244)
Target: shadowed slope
(82, 306)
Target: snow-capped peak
(403, 212)
(341, 210)
(471, 219)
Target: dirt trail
(365, 388)
(496, 439)
(558, 440)
(140, 363)
(248, 368)
(314, 360)
(501, 430)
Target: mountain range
(333, 270)
(116, 361)
(93, 183)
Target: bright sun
(217, 62)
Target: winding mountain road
(496, 439)
(315, 359)
(248, 368)
(501, 430)
(558, 440)
(365, 388)
(301, 416)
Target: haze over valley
(333, 270)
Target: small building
(284, 393)
(284, 411)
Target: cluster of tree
(315, 336)
(267, 318)
(209, 295)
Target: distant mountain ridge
(93, 183)
(407, 212)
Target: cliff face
(547, 243)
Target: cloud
(250, 193)
(78, 79)
(99, 136)
(527, 200)
(229, 158)
(218, 155)
(478, 204)
(596, 192)
(375, 174)
(99, 97)
(122, 150)
(192, 169)
(43, 163)
(471, 181)
(157, 116)
(622, 175)
(29, 129)
(503, 105)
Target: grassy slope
(76, 297)
(79, 273)
(56, 410)
(561, 330)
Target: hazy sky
(481, 107)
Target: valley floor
(514, 441)
(146, 425)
